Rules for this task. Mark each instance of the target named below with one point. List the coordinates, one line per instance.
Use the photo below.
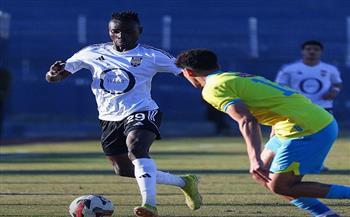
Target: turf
(42, 179)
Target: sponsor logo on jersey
(310, 85)
(117, 81)
(136, 61)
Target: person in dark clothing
(5, 83)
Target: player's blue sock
(312, 205)
(338, 192)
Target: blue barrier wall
(43, 31)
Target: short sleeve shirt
(288, 112)
(121, 81)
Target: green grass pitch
(42, 179)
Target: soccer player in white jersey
(313, 78)
(122, 72)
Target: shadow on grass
(127, 194)
(110, 172)
(178, 204)
(37, 157)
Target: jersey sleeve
(283, 78)
(220, 96)
(76, 62)
(335, 76)
(166, 63)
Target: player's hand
(55, 72)
(57, 67)
(259, 172)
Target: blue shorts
(302, 155)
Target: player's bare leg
(304, 194)
(291, 185)
(267, 156)
(122, 165)
(309, 204)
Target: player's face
(312, 52)
(124, 34)
(189, 76)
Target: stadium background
(43, 31)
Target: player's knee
(137, 150)
(137, 147)
(279, 188)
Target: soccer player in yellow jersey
(304, 132)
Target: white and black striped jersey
(121, 81)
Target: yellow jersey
(290, 114)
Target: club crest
(136, 61)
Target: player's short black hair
(200, 59)
(311, 42)
(126, 16)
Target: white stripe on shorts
(151, 115)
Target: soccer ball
(91, 206)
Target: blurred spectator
(5, 81)
(313, 78)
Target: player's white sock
(145, 173)
(169, 179)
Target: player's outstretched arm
(251, 132)
(57, 72)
